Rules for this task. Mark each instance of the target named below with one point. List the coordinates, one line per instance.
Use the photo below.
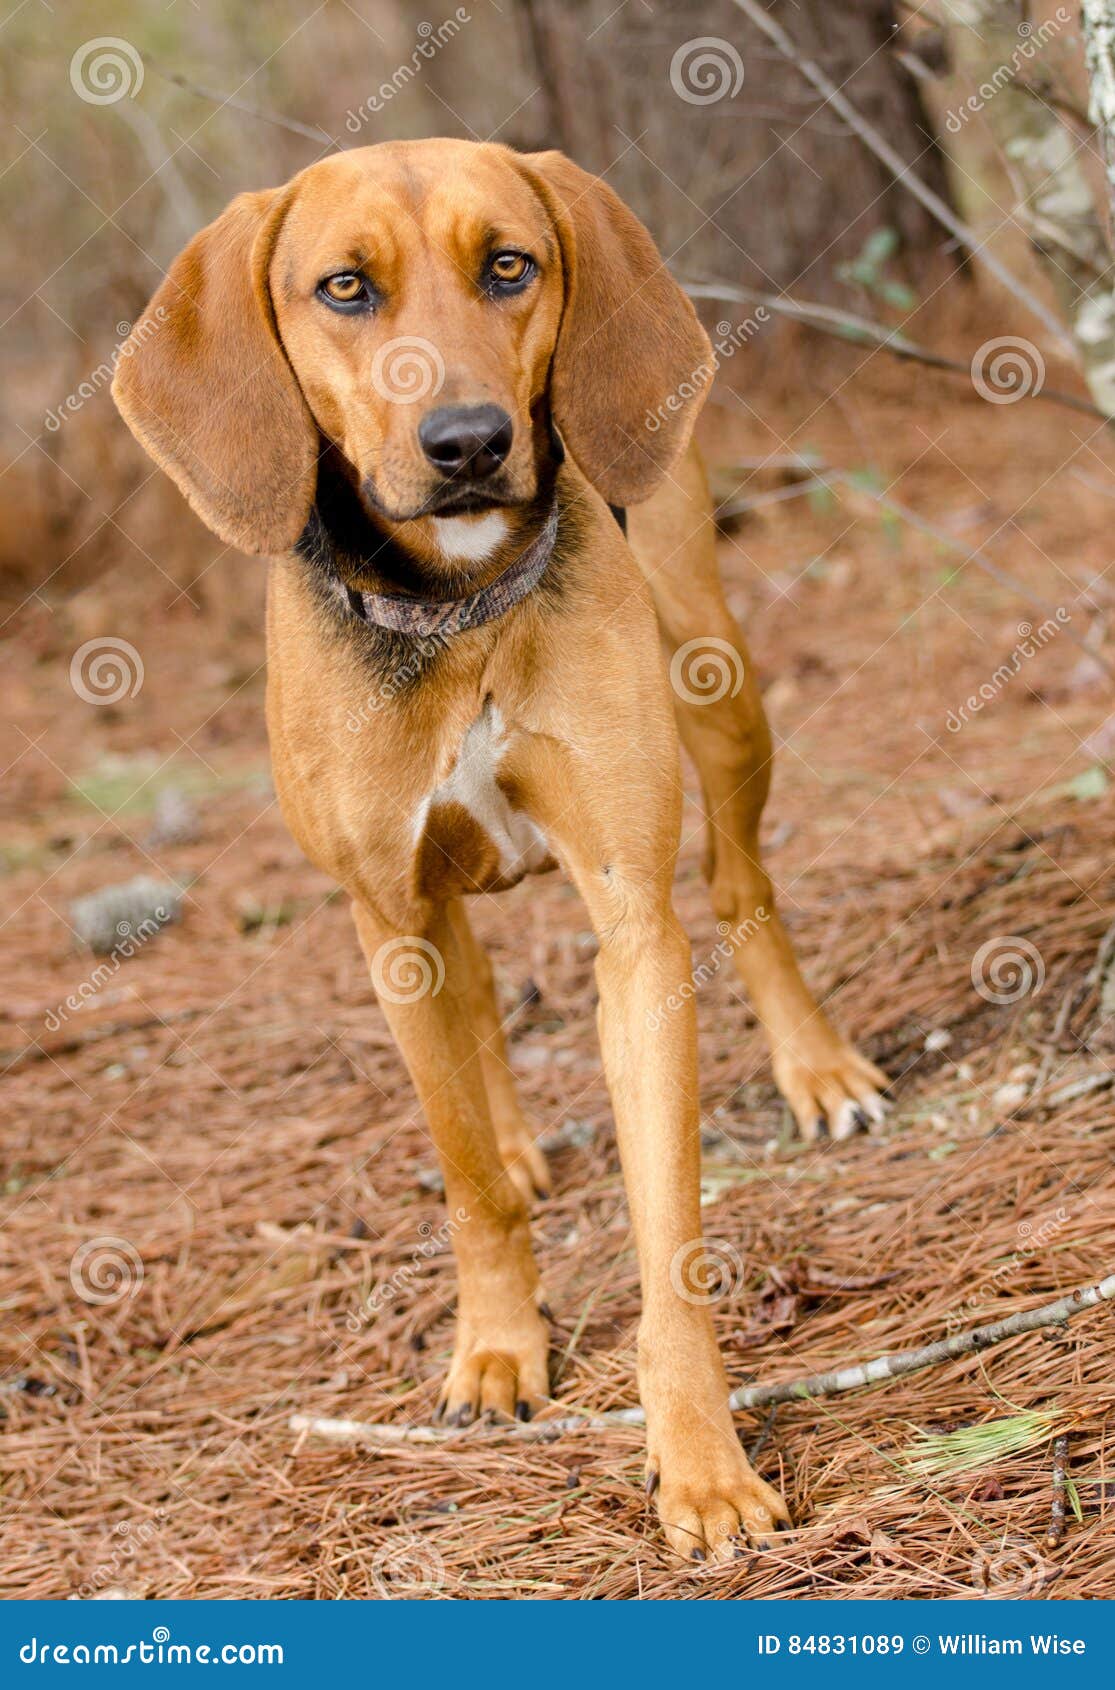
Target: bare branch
(898, 166)
(276, 119)
(846, 325)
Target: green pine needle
(941, 1454)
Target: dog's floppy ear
(205, 387)
(632, 363)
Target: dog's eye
(347, 288)
(510, 269)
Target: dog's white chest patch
(517, 844)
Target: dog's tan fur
(549, 733)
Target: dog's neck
(428, 557)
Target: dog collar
(443, 617)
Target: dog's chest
(471, 836)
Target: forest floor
(229, 1109)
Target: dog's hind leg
(522, 1158)
(500, 1358)
(723, 727)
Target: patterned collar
(443, 617)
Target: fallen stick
(877, 1372)
(885, 1368)
(478, 1431)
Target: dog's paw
(828, 1085)
(498, 1367)
(711, 1502)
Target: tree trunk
(738, 167)
(1046, 164)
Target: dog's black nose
(466, 441)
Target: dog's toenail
(820, 1127)
(859, 1119)
(652, 1482)
(697, 1555)
(545, 1311)
(522, 1411)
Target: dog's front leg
(500, 1356)
(708, 1495)
(620, 847)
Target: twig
(390, 1437)
(878, 1372)
(885, 1368)
(765, 1431)
(847, 325)
(1057, 1508)
(898, 166)
(219, 99)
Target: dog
(429, 378)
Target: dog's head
(429, 309)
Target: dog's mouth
(458, 501)
(449, 499)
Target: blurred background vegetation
(763, 187)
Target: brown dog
(372, 373)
